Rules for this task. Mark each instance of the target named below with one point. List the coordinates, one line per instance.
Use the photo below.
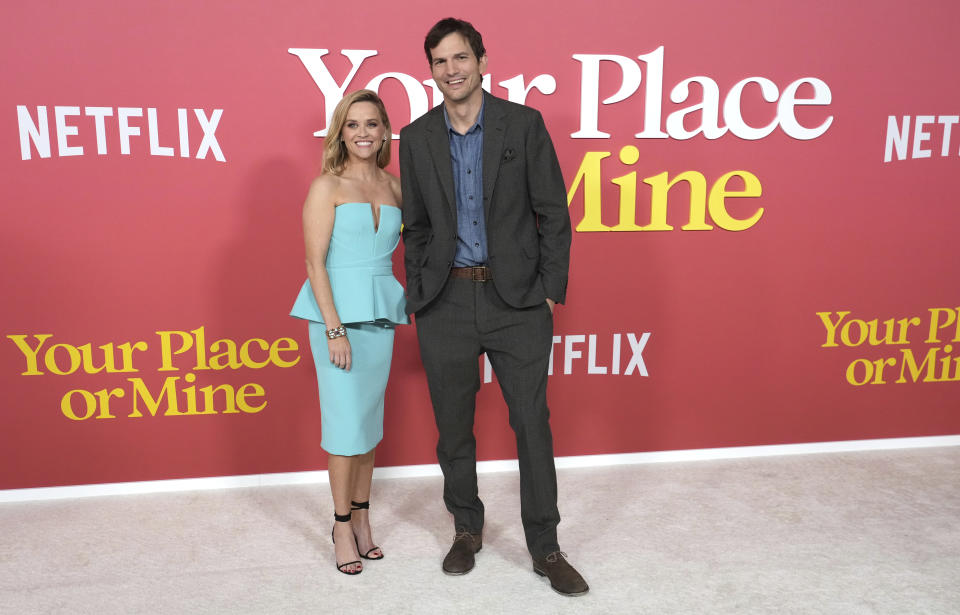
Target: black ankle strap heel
(364, 506)
(343, 567)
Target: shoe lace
(556, 555)
(462, 534)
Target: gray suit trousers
(467, 319)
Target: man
(487, 236)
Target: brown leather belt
(477, 274)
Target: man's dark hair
(448, 26)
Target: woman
(351, 225)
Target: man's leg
(450, 349)
(518, 343)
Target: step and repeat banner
(764, 198)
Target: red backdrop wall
(797, 283)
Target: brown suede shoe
(564, 579)
(460, 559)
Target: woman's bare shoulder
(325, 181)
(395, 188)
(323, 190)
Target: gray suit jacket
(524, 201)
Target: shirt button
(476, 245)
(474, 222)
(469, 171)
(470, 197)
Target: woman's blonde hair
(335, 150)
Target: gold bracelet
(336, 332)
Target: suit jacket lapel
(493, 130)
(438, 142)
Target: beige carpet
(850, 533)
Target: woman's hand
(340, 356)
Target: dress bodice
(356, 243)
(360, 268)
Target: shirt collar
(476, 125)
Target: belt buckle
(478, 274)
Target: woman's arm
(318, 216)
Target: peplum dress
(370, 303)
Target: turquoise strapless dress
(369, 302)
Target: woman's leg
(341, 471)
(363, 476)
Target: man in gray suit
(487, 236)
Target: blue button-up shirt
(466, 154)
